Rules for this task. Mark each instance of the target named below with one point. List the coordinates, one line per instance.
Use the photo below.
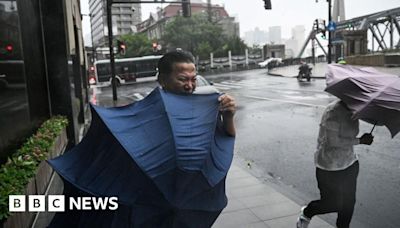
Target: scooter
(304, 74)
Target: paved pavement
(253, 203)
(318, 70)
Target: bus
(126, 69)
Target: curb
(294, 76)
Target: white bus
(126, 69)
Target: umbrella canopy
(165, 157)
(371, 95)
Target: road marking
(138, 96)
(226, 86)
(246, 82)
(222, 88)
(229, 84)
(285, 101)
(260, 84)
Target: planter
(44, 171)
(38, 185)
(23, 219)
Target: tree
(195, 34)
(137, 45)
(236, 45)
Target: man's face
(182, 79)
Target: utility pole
(330, 32)
(209, 10)
(329, 55)
(186, 11)
(110, 45)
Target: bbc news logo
(56, 203)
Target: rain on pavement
(277, 122)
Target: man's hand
(366, 139)
(227, 107)
(227, 104)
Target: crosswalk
(227, 86)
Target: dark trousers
(338, 194)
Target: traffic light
(349, 25)
(154, 45)
(9, 48)
(121, 47)
(323, 34)
(267, 4)
(186, 10)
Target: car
(268, 61)
(203, 86)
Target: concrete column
(230, 59)
(247, 57)
(211, 60)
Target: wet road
(277, 129)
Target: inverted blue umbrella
(165, 158)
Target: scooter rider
(304, 71)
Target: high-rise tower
(338, 13)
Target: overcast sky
(285, 13)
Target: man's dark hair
(166, 63)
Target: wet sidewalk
(255, 204)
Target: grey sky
(284, 13)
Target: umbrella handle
(373, 128)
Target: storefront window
(14, 115)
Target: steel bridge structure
(383, 30)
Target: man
(160, 181)
(336, 166)
(177, 74)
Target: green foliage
(195, 34)
(201, 37)
(136, 45)
(203, 50)
(235, 45)
(21, 166)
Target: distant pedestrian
(336, 166)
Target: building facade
(274, 51)
(295, 42)
(275, 34)
(42, 69)
(338, 12)
(155, 24)
(256, 37)
(124, 20)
